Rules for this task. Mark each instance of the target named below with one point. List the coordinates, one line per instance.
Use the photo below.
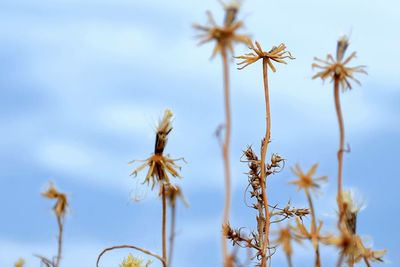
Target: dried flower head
(20, 263)
(60, 208)
(159, 164)
(225, 36)
(314, 235)
(306, 181)
(353, 248)
(350, 209)
(337, 69)
(285, 238)
(173, 192)
(277, 54)
(132, 261)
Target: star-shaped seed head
(224, 36)
(276, 54)
(337, 70)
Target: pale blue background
(83, 83)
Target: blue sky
(83, 83)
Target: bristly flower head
(277, 54)
(306, 181)
(132, 261)
(159, 164)
(285, 237)
(337, 69)
(351, 209)
(225, 36)
(60, 208)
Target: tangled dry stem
(145, 251)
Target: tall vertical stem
(341, 149)
(314, 229)
(226, 153)
(264, 148)
(164, 223)
(172, 234)
(60, 240)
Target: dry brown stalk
(225, 37)
(172, 194)
(164, 223)
(145, 251)
(338, 71)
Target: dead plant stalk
(226, 144)
(263, 155)
(164, 223)
(341, 145)
(313, 227)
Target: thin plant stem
(172, 234)
(289, 260)
(263, 155)
(367, 262)
(164, 223)
(313, 228)
(145, 251)
(341, 148)
(226, 144)
(60, 240)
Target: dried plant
(159, 166)
(225, 37)
(60, 210)
(285, 237)
(338, 71)
(349, 243)
(277, 54)
(172, 194)
(307, 182)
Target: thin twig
(263, 155)
(226, 153)
(172, 234)
(341, 148)
(313, 228)
(60, 239)
(145, 251)
(164, 224)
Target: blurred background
(83, 84)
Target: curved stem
(60, 240)
(314, 229)
(226, 153)
(172, 234)
(164, 223)
(145, 251)
(341, 149)
(264, 148)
